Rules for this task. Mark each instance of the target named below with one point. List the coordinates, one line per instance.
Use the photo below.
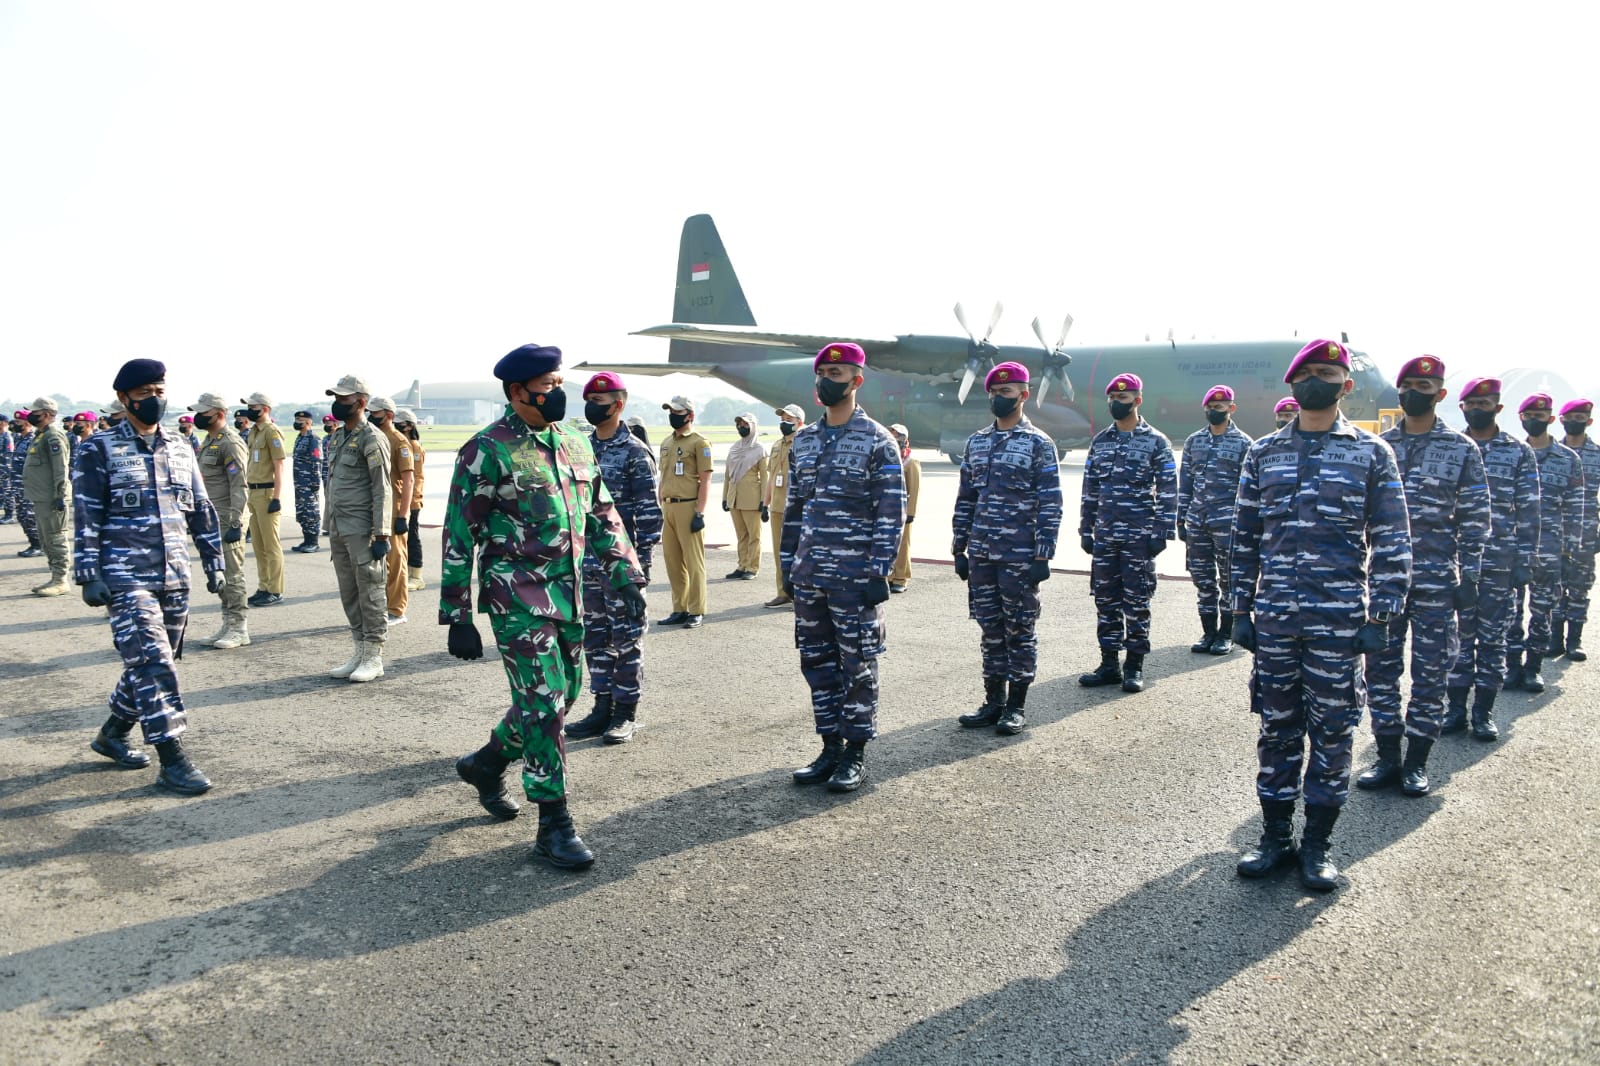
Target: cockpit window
(1359, 361)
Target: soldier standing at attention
(900, 576)
(25, 436)
(1208, 483)
(307, 483)
(406, 422)
(359, 505)
(841, 531)
(241, 422)
(402, 467)
(1513, 475)
(1285, 411)
(329, 424)
(8, 448)
(1129, 511)
(1447, 499)
(222, 462)
(1577, 576)
(1321, 564)
(744, 490)
(1561, 519)
(46, 480)
(186, 427)
(685, 484)
(265, 478)
(790, 419)
(137, 494)
(612, 637)
(527, 499)
(1007, 517)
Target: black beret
(528, 362)
(302, 414)
(136, 372)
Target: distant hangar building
(463, 403)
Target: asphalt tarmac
(1063, 896)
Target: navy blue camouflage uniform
(1577, 576)
(1321, 538)
(1561, 518)
(1129, 506)
(611, 639)
(841, 529)
(134, 504)
(8, 447)
(308, 477)
(19, 499)
(1008, 513)
(1208, 487)
(1512, 472)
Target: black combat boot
(1455, 715)
(623, 726)
(32, 551)
(558, 842)
(485, 770)
(993, 706)
(1386, 771)
(597, 721)
(178, 774)
(1414, 771)
(1011, 723)
(821, 768)
(1532, 679)
(852, 768)
(1277, 841)
(1483, 727)
(1208, 634)
(112, 742)
(1513, 680)
(1557, 647)
(1109, 673)
(1575, 650)
(1224, 642)
(309, 545)
(1133, 673)
(1316, 872)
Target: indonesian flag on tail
(700, 272)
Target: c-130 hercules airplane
(923, 382)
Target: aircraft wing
(751, 335)
(699, 370)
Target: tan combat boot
(350, 666)
(371, 666)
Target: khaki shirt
(266, 448)
(683, 460)
(360, 493)
(748, 493)
(778, 467)
(222, 463)
(913, 474)
(45, 476)
(400, 461)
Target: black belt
(682, 499)
(261, 485)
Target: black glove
(963, 568)
(1039, 571)
(1086, 542)
(725, 507)
(1157, 546)
(910, 518)
(697, 523)
(1244, 632)
(464, 641)
(232, 536)
(401, 526)
(632, 600)
(766, 513)
(274, 505)
(1372, 637)
(380, 548)
(1466, 593)
(61, 503)
(1183, 534)
(1521, 576)
(214, 582)
(877, 590)
(95, 594)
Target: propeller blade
(1066, 328)
(993, 318)
(961, 317)
(1071, 392)
(967, 378)
(1037, 332)
(1044, 387)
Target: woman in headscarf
(744, 485)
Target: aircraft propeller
(980, 355)
(1056, 362)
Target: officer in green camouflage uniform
(526, 499)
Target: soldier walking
(46, 481)
(1577, 576)
(360, 508)
(900, 576)
(222, 460)
(264, 476)
(790, 418)
(1321, 564)
(308, 448)
(1561, 518)
(841, 531)
(1128, 513)
(1208, 483)
(137, 494)
(1007, 518)
(527, 500)
(685, 484)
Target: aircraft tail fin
(708, 292)
(412, 397)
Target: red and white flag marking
(700, 272)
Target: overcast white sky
(269, 196)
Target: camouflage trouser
(1005, 604)
(1207, 559)
(611, 642)
(1542, 596)
(1307, 690)
(147, 627)
(541, 657)
(1577, 578)
(7, 506)
(25, 518)
(307, 508)
(1435, 644)
(840, 637)
(1482, 661)
(1123, 578)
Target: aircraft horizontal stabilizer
(749, 335)
(699, 370)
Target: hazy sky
(269, 196)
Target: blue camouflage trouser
(25, 517)
(1307, 690)
(542, 663)
(147, 627)
(1206, 556)
(1005, 604)
(1577, 578)
(1481, 662)
(1542, 596)
(307, 510)
(1435, 644)
(611, 642)
(840, 637)
(1123, 578)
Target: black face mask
(150, 410)
(744, 431)
(327, 427)
(597, 413)
(1576, 429)
(1284, 422)
(1120, 410)
(302, 426)
(554, 405)
(786, 428)
(1216, 418)
(1479, 419)
(412, 433)
(254, 415)
(831, 392)
(343, 411)
(1314, 394)
(35, 418)
(1002, 406)
(678, 420)
(1535, 427)
(1416, 404)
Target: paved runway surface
(1064, 896)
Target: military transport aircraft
(924, 382)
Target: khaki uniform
(683, 460)
(265, 445)
(778, 468)
(46, 479)
(359, 504)
(901, 574)
(223, 459)
(744, 503)
(401, 463)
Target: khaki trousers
(264, 542)
(234, 606)
(686, 558)
(901, 573)
(394, 582)
(747, 524)
(777, 546)
(361, 586)
(53, 534)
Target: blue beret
(528, 362)
(136, 372)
